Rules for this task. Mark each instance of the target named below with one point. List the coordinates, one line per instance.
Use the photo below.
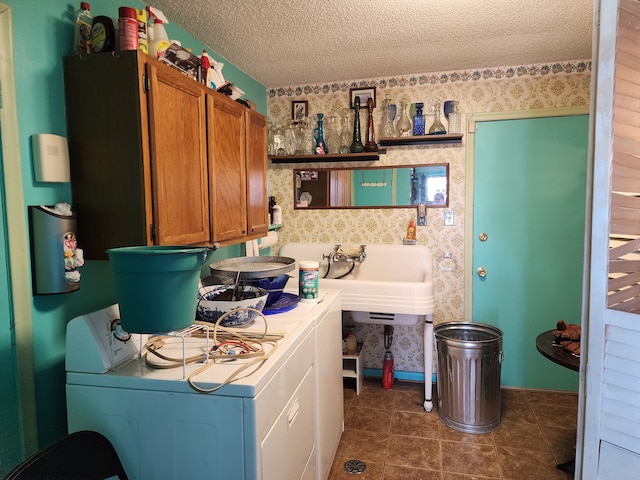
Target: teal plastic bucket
(157, 286)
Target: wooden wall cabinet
(238, 171)
(139, 133)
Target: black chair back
(83, 455)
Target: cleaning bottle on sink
(387, 371)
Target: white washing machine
(279, 419)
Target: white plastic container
(277, 215)
(308, 276)
(159, 39)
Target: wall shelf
(331, 157)
(443, 139)
(451, 138)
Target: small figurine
(73, 258)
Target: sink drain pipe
(428, 362)
(387, 365)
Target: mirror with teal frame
(398, 186)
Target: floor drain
(354, 467)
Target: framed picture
(365, 94)
(299, 109)
(307, 175)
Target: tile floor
(390, 431)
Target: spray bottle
(203, 71)
(159, 39)
(387, 371)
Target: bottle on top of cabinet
(143, 40)
(159, 39)
(103, 35)
(83, 21)
(128, 28)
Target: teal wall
(368, 196)
(42, 35)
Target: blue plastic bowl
(210, 307)
(273, 285)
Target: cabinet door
(227, 176)
(177, 130)
(108, 150)
(256, 151)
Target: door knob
(482, 272)
(483, 237)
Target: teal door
(528, 235)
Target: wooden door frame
(17, 245)
(472, 120)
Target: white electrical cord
(221, 350)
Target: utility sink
(392, 286)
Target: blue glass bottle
(418, 120)
(321, 145)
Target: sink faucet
(338, 255)
(359, 256)
(335, 255)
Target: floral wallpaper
(485, 90)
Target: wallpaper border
(573, 66)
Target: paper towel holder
(50, 158)
(270, 240)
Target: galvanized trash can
(469, 360)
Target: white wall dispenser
(50, 158)
(55, 256)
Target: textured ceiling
(299, 42)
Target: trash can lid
(467, 332)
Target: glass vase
(289, 144)
(270, 145)
(454, 119)
(308, 141)
(418, 120)
(332, 135)
(356, 143)
(388, 115)
(345, 132)
(437, 126)
(321, 144)
(403, 126)
(278, 140)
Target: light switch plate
(448, 217)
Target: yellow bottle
(143, 38)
